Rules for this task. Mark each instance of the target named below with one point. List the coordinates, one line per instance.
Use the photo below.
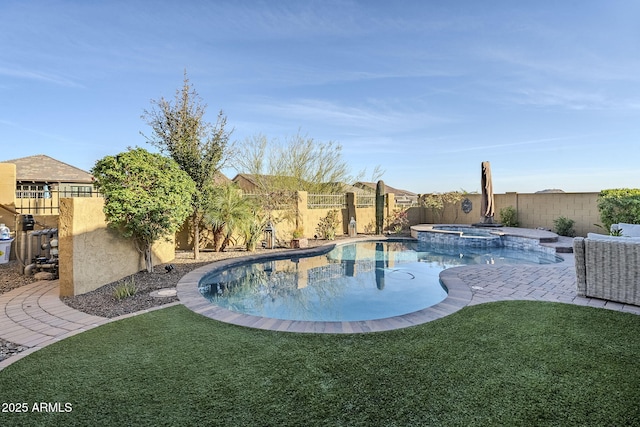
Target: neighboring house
(41, 181)
(247, 182)
(221, 179)
(348, 188)
(403, 198)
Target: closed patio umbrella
(487, 206)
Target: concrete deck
(33, 316)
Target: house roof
(42, 168)
(221, 179)
(256, 181)
(388, 189)
(348, 188)
(247, 176)
(251, 182)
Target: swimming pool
(353, 282)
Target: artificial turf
(511, 363)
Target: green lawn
(510, 363)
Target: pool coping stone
(459, 296)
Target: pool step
(563, 245)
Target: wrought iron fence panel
(47, 202)
(365, 200)
(324, 201)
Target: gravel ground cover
(102, 301)
(11, 278)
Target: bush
(370, 228)
(328, 225)
(298, 233)
(564, 226)
(253, 232)
(399, 221)
(509, 216)
(147, 196)
(619, 205)
(125, 289)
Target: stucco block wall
(365, 219)
(8, 198)
(364, 216)
(534, 210)
(453, 214)
(308, 219)
(7, 184)
(540, 210)
(91, 254)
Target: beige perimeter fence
(91, 255)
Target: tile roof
(42, 168)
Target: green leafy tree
(199, 147)
(298, 163)
(280, 168)
(438, 202)
(619, 205)
(147, 196)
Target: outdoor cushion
(630, 230)
(595, 236)
(608, 268)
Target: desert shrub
(125, 289)
(564, 226)
(298, 233)
(370, 228)
(399, 221)
(253, 231)
(328, 225)
(509, 216)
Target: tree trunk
(196, 236)
(148, 259)
(225, 243)
(217, 239)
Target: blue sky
(547, 91)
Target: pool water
(358, 281)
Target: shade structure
(487, 206)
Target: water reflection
(380, 265)
(367, 280)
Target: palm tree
(253, 229)
(228, 212)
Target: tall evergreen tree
(199, 147)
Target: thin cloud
(574, 99)
(33, 131)
(562, 57)
(373, 116)
(507, 145)
(38, 76)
